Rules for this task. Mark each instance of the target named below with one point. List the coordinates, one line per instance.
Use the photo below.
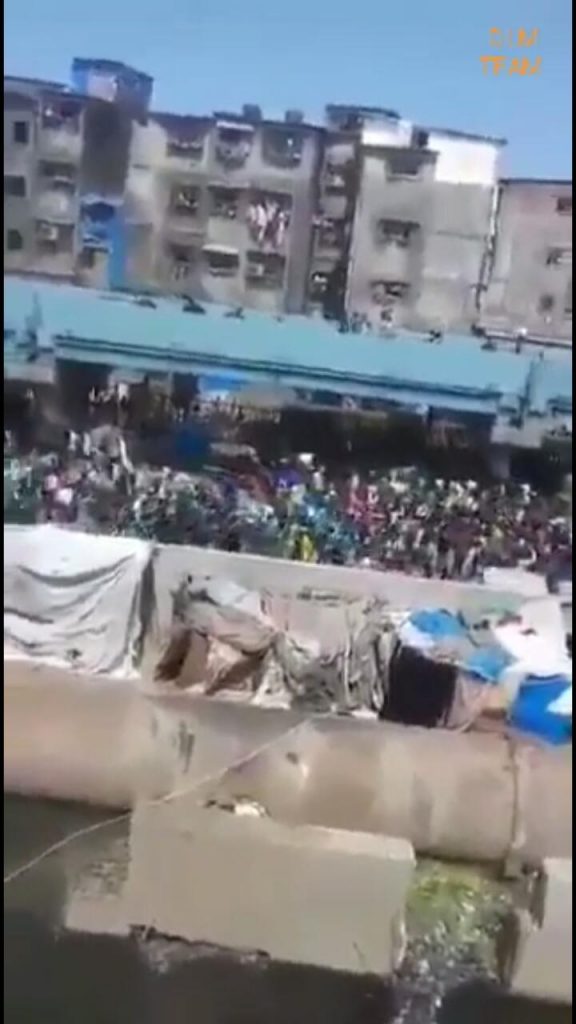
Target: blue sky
(420, 57)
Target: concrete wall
(529, 225)
(537, 949)
(288, 579)
(470, 797)
(321, 897)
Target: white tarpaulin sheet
(73, 599)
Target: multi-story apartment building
(223, 207)
(99, 189)
(337, 193)
(366, 214)
(423, 220)
(40, 208)
(530, 282)
(66, 159)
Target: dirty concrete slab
(316, 896)
(52, 974)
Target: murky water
(54, 977)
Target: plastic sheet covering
(75, 600)
(225, 640)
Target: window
(224, 203)
(21, 133)
(182, 259)
(185, 200)
(14, 185)
(268, 218)
(62, 115)
(265, 270)
(546, 304)
(14, 240)
(331, 233)
(233, 145)
(558, 257)
(190, 148)
(403, 163)
(385, 293)
(54, 239)
(88, 259)
(395, 232)
(336, 177)
(283, 147)
(57, 171)
(564, 205)
(568, 302)
(318, 285)
(221, 262)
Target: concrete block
(538, 959)
(300, 894)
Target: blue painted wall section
(102, 223)
(103, 228)
(127, 85)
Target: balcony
(387, 293)
(184, 201)
(54, 239)
(399, 233)
(60, 128)
(221, 261)
(57, 191)
(404, 164)
(54, 205)
(283, 147)
(182, 261)
(233, 145)
(224, 203)
(268, 219)
(265, 270)
(331, 233)
(318, 285)
(186, 148)
(336, 177)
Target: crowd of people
(400, 519)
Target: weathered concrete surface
(54, 972)
(467, 797)
(299, 894)
(538, 962)
(283, 577)
(72, 737)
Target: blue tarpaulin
(530, 710)
(438, 624)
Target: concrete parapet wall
(463, 796)
(302, 895)
(289, 578)
(538, 961)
